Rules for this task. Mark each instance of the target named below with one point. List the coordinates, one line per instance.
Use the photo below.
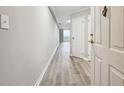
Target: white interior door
(77, 35)
(108, 49)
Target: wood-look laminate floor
(65, 70)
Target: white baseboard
(46, 67)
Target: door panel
(116, 77)
(117, 30)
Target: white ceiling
(62, 14)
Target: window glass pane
(66, 35)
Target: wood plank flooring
(66, 71)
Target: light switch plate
(4, 22)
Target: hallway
(65, 70)
(29, 39)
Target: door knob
(91, 41)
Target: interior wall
(28, 44)
(61, 35)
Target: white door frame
(92, 47)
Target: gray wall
(61, 35)
(26, 47)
